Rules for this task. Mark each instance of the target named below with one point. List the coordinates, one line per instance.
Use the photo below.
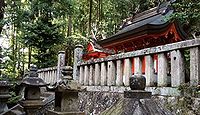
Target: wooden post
(61, 63)
(78, 53)
(119, 79)
(194, 66)
(177, 68)
(127, 71)
(86, 75)
(149, 71)
(91, 75)
(137, 65)
(162, 70)
(103, 74)
(111, 73)
(97, 79)
(81, 79)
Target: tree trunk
(29, 56)
(90, 18)
(2, 5)
(69, 31)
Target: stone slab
(137, 94)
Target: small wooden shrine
(147, 29)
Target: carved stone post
(103, 74)
(91, 75)
(138, 65)
(162, 70)
(177, 68)
(194, 66)
(97, 73)
(149, 71)
(127, 71)
(111, 73)
(119, 79)
(61, 63)
(78, 53)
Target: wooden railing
(115, 70)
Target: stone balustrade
(49, 75)
(115, 70)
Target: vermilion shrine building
(147, 29)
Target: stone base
(50, 112)
(137, 94)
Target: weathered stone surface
(119, 78)
(149, 71)
(127, 71)
(86, 75)
(146, 51)
(61, 63)
(177, 68)
(195, 66)
(137, 94)
(78, 53)
(91, 75)
(97, 74)
(137, 65)
(137, 82)
(162, 70)
(81, 79)
(111, 73)
(103, 74)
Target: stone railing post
(91, 75)
(97, 73)
(177, 68)
(119, 79)
(78, 53)
(149, 71)
(194, 66)
(138, 65)
(61, 63)
(162, 70)
(111, 73)
(81, 79)
(86, 75)
(127, 71)
(103, 74)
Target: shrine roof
(151, 21)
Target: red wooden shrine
(147, 29)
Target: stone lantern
(4, 95)
(32, 84)
(66, 95)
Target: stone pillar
(78, 53)
(61, 63)
(97, 72)
(86, 75)
(91, 75)
(103, 74)
(137, 65)
(162, 70)
(119, 79)
(194, 66)
(149, 71)
(4, 95)
(127, 71)
(81, 79)
(177, 68)
(111, 73)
